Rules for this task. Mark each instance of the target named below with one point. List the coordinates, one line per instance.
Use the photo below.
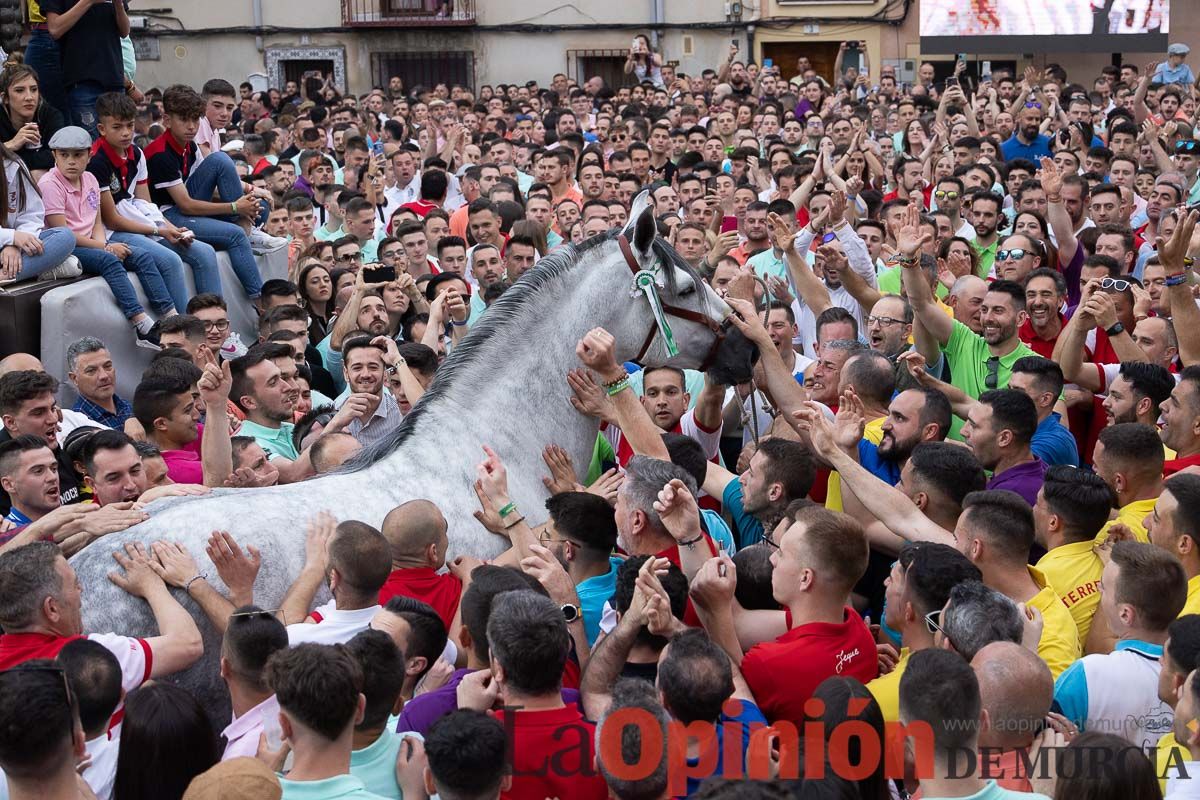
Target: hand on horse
(589, 398)
(173, 563)
(607, 485)
(489, 515)
(745, 318)
(492, 478)
(597, 351)
(137, 577)
(321, 528)
(236, 569)
(562, 477)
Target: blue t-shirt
(886, 470)
(1053, 442)
(1168, 74)
(717, 529)
(1015, 148)
(747, 530)
(593, 594)
(750, 718)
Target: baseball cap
(71, 137)
(1178, 49)
(235, 779)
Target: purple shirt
(1024, 479)
(422, 711)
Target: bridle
(645, 283)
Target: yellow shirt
(873, 433)
(35, 12)
(886, 689)
(1059, 646)
(1073, 572)
(1130, 516)
(1168, 753)
(1192, 606)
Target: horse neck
(526, 383)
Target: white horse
(504, 386)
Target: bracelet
(692, 542)
(510, 523)
(903, 260)
(1050, 199)
(234, 207)
(508, 509)
(617, 387)
(609, 384)
(458, 324)
(199, 576)
(1176, 280)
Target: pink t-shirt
(79, 205)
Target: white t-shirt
(332, 625)
(102, 772)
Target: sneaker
(261, 243)
(68, 269)
(148, 338)
(233, 347)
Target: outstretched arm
(909, 241)
(1185, 313)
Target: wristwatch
(391, 369)
(1115, 330)
(571, 613)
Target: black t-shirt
(167, 164)
(664, 173)
(91, 49)
(109, 174)
(68, 481)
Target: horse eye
(686, 290)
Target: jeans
(109, 267)
(57, 244)
(227, 236)
(216, 173)
(82, 99)
(202, 258)
(167, 266)
(42, 54)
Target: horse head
(688, 321)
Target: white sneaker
(261, 243)
(233, 347)
(68, 269)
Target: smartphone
(634, 46)
(729, 224)
(952, 81)
(377, 147)
(379, 274)
(734, 44)
(768, 63)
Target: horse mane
(500, 315)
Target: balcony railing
(406, 13)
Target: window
(424, 69)
(608, 64)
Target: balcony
(408, 13)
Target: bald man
(1016, 689)
(330, 450)
(70, 419)
(416, 533)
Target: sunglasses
(933, 622)
(1187, 146)
(1032, 104)
(829, 237)
(992, 379)
(1115, 283)
(1015, 254)
(940, 195)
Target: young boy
(332, 227)
(300, 226)
(125, 207)
(220, 100)
(72, 199)
(182, 188)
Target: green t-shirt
(967, 356)
(276, 441)
(342, 787)
(889, 283)
(987, 257)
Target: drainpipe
(750, 44)
(258, 23)
(657, 20)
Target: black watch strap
(1116, 329)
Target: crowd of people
(961, 493)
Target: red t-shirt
(552, 755)
(784, 673)
(424, 584)
(672, 554)
(1175, 465)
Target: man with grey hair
(966, 299)
(974, 617)
(641, 530)
(528, 646)
(90, 368)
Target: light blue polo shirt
(342, 787)
(375, 764)
(276, 441)
(593, 594)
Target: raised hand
(677, 509)
(1051, 178)
(745, 319)
(607, 485)
(321, 528)
(715, 582)
(550, 573)
(562, 476)
(493, 477)
(850, 420)
(820, 431)
(837, 207)
(1174, 250)
(236, 569)
(782, 235)
(909, 238)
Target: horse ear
(644, 233)
(639, 204)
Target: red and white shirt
(331, 625)
(710, 440)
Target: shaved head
(1016, 688)
(18, 362)
(411, 528)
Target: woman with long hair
(166, 740)
(643, 63)
(316, 295)
(26, 120)
(27, 247)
